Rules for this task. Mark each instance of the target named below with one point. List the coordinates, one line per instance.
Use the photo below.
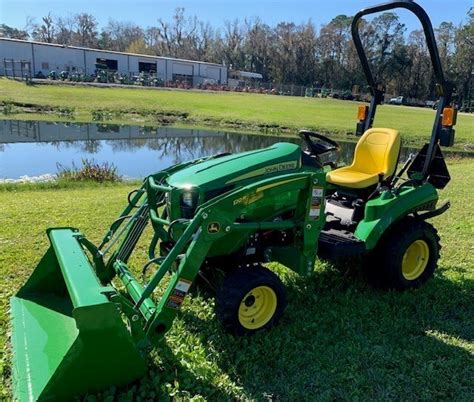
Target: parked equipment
(83, 321)
(399, 100)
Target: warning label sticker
(317, 192)
(314, 213)
(178, 294)
(174, 302)
(316, 202)
(183, 285)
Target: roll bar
(444, 88)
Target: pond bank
(256, 113)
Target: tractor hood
(231, 169)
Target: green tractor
(83, 321)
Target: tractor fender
(390, 207)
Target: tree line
(286, 53)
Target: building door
(106, 64)
(146, 67)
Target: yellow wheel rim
(415, 260)
(257, 307)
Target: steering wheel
(318, 148)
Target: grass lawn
(338, 340)
(252, 112)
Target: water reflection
(34, 148)
(92, 138)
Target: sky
(147, 12)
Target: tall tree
(85, 30)
(305, 54)
(120, 35)
(13, 33)
(232, 45)
(463, 58)
(445, 36)
(139, 47)
(65, 30)
(333, 51)
(257, 47)
(388, 35)
(419, 74)
(46, 30)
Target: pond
(33, 148)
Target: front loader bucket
(68, 338)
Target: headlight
(187, 199)
(167, 204)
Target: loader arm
(214, 220)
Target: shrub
(105, 114)
(101, 115)
(65, 111)
(8, 107)
(89, 171)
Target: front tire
(250, 299)
(407, 256)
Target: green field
(238, 111)
(338, 340)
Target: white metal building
(45, 57)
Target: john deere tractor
(83, 321)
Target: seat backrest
(377, 151)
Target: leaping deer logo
(213, 227)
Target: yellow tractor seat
(376, 153)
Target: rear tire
(250, 299)
(407, 255)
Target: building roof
(108, 51)
(248, 74)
